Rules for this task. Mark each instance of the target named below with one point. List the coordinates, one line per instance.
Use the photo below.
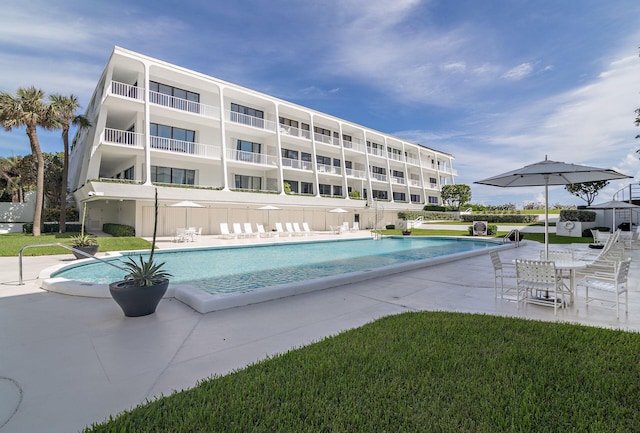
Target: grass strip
(11, 243)
(420, 372)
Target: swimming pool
(211, 278)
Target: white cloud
(519, 72)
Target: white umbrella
(614, 204)
(269, 208)
(338, 210)
(186, 204)
(545, 173)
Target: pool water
(236, 269)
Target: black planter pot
(406, 233)
(137, 301)
(91, 250)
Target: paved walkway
(66, 361)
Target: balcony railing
(354, 145)
(325, 168)
(245, 119)
(184, 105)
(127, 90)
(251, 157)
(375, 151)
(414, 182)
(125, 138)
(360, 174)
(297, 164)
(326, 139)
(295, 132)
(398, 180)
(395, 157)
(186, 147)
(411, 160)
(378, 176)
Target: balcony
(295, 132)
(398, 180)
(126, 90)
(359, 174)
(379, 177)
(330, 169)
(251, 157)
(376, 152)
(414, 182)
(184, 105)
(297, 164)
(124, 138)
(395, 157)
(411, 160)
(245, 119)
(355, 144)
(326, 139)
(186, 147)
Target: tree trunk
(65, 173)
(37, 152)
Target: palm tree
(64, 111)
(27, 109)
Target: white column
(147, 127)
(223, 142)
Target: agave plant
(145, 273)
(83, 240)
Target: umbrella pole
(546, 218)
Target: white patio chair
(305, 228)
(224, 231)
(237, 230)
(248, 231)
(355, 227)
(297, 231)
(197, 234)
(502, 270)
(538, 283)
(608, 282)
(181, 235)
(344, 227)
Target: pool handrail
(75, 250)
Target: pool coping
(204, 302)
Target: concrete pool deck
(69, 361)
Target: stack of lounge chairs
(245, 230)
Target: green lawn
(420, 372)
(11, 243)
(536, 237)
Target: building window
(433, 181)
(288, 153)
(378, 170)
(247, 115)
(337, 190)
(248, 182)
(174, 97)
(293, 184)
(415, 198)
(321, 131)
(375, 145)
(324, 189)
(336, 162)
(399, 174)
(399, 196)
(173, 139)
(288, 122)
(380, 195)
(128, 174)
(304, 156)
(246, 151)
(323, 160)
(433, 200)
(179, 176)
(348, 164)
(306, 188)
(346, 137)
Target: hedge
(434, 208)
(53, 227)
(411, 215)
(53, 214)
(500, 218)
(585, 216)
(492, 230)
(118, 230)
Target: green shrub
(586, 233)
(53, 214)
(434, 208)
(585, 216)
(52, 227)
(354, 194)
(118, 230)
(500, 218)
(426, 215)
(390, 227)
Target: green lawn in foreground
(11, 243)
(420, 372)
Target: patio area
(69, 361)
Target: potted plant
(84, 242)
(406, 232)
(145, 284)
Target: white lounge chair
(289, 228)
(297, 231)
(224, 231)
(248, 231)
(237, 230)
(306, 229)
(344, 227)
(262, 232)
(279, 229)
(355, 227)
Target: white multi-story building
(233, 150)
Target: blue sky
(497, 83)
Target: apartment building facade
(233, 150)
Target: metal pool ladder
(58, 244)
(516, 236)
